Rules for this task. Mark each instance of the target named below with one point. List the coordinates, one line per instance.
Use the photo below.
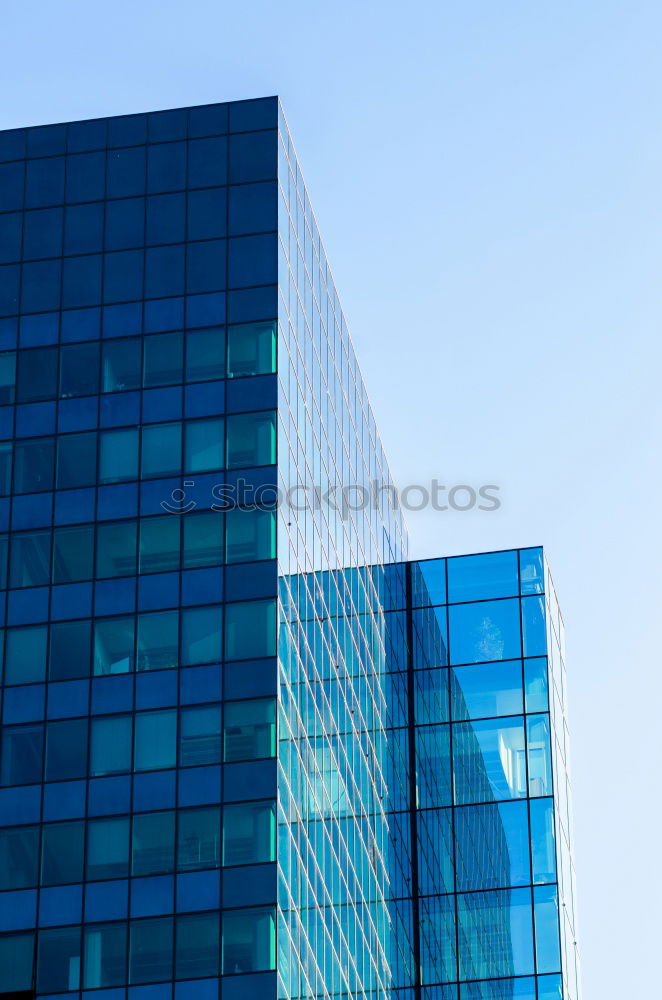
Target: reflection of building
(216, 711)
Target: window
(16, 959)
(110, 745)
(536, 684)
(249, 940)
(487, 689)
(30, 559)
(204, 445)
(250, 535)
(69, 655)
(163, 359)
(34, 463)
(58, 960)
(252, 349)
(198, 839)
(249, 729)
(7, 377)
(435, 851)
(150, 956)
(118, 456)
(120, 367)
(205, 355)
(105, 955)
(546, 911)
(153, 843)
(249, 833)
(156, 734)
(25, 654)
(434, 768)
(158, 641)
(485, 951)
(539, 755)
(251, 439)
(543, 844)
(76, 460)
(19, 857)
(487, 630)
(73, 553)
(203, 540)
(62, 853)
(198, 938)
(250, 630)
(492, 846)
(108, 848)
(489, 760)
(113, 646)
(37, 374)
(201, 636)
(159, 544)
(116, 549)
(200, 736)
(22, 755)
(79, 369)
(481, 577)
(66, 749)
(161, 450)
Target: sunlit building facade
(248, 751)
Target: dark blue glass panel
(206, 213)
(86, 177)
(10, 237)
(44, 182)
(252, 261)
(42, 235)
(11, 186)
(253, 157)
(83, 229)
(166, 218)
(207, 162)
(166, 167)
(125, 223)
(126, 172)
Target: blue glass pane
(532, 571)
(478, 578)
(433, 766)
(492, 844)
(489, 760)
(533, 626)
(428, 582)
(435, 851)
(495, 932)
(500, 989)
(546, 911)
(485, 631)
(486, 689)
(438, 948)
(543, 844)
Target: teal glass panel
(116, 549)
(483, 577)
(543, 842)
(19, 857)
(249, 729)
(110, 745)
(203, 445)
(161, 450)
(250, 535)
(438, 948)
(73, 550)
(66, 749)
(30, 559)
(205, 355)
(200, 736)
(495, 934)
(76, 461)
(70, 650)
(58, 960)
(249, 940)
(107, 848)
(113, 645)
(250, 630)
(500, 989)
(104, 955)
(251, 439)
(486, 689)
(201, 635)
(436, 871)
(534, 636)
(546, 915)
(158, 641)
(163, 356)
(21, 760)
(536, 686)
(150, 950)
(550, 987)
(531, 571)
(488, 630)
(539, 755)
(492, 846)
(16, 962)
(118, 455)
(252, 349)
(489, 760)
(62, 853)
(197, 951)
(121, 365)
(34, 463)
(153, 843)
(249, 833)
(198, 839)
(203, 539)
(155, 740)
(25, 654)
(159, 544)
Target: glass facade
(247, 750)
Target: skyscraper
(247, 749)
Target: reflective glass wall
(482, 899)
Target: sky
(486, 178)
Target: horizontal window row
(484, 761)
(68, 749)
(157, 640)
(157, 949)
(154, 451)
(165, 359)
(124, 275)
(469, 578)
(73, 554)
(152, 169)
(155, 843)
(130, 223)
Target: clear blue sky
(488, 180)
